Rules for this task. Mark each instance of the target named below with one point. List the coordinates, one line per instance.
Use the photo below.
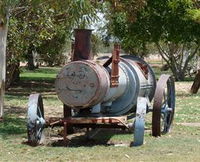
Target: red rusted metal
(106, 122)
(158, 103)
(82, 47)
(115, 66)
(65, 133)
(122, 120)
(67, 111)
(144, 68)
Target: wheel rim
(167, 110)
(164, 106)
(36, 122)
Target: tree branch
(191, 56)
(162, 53)
(182, 51)
(171, 47)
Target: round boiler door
(81, 84)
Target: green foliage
(96, 43)
(158, 21)
(5, 6)
(194, 14)
(2, 13)
(129, 8)
(43, 26)
(38, 21)
(172, 25)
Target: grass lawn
(182, 144)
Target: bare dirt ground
(189, 124)
(183, 87)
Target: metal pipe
(82, 47)
(115, 66)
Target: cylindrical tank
(111, 89)
(86, 84)
(82, 84)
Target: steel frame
(87, 122)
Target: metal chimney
(82, 47)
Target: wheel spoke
(39, 132)
(39, 110)
(169, 109)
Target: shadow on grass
(38, 81)
(16, 111)
(103, 138)
(25, 88)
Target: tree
(172, 25)
(3, 33)
(31, 23)
(3, 38)
(35, 23)
(196, 84)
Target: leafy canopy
(170, 20)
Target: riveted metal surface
(143, 87)
(82, 84)
(151, 76)
(115, 92)
(123, 104)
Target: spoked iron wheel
(163, 106)
(35, 121)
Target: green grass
(44, 73)
(189, 108)
(182, 144)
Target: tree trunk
(177, 58)
(3, 37)
(12, 74)
(179, 75)
(196, 84)
(31, 65)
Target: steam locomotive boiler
(106, 93)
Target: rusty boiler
(109, 89)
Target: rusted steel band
(90, 120)
(115, 66)
(161, 85)
(67, 112)
(65, 133)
